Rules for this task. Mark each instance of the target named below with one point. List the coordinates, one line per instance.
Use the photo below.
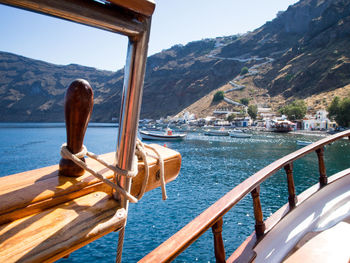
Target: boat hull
(303, 143)
(161, 137)
(240, 135)
(217, 133)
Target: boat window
(48, 39)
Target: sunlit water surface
(211, 166)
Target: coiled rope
(139, 152)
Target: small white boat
(303, 143)
(239, 134)
(221, 132)
(168, 135)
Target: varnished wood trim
(219, 247)
(144, 7)
(87, 12)
(79, 100)
(31, 192)
(258, 214)
(321, 166)
(292, 199)
(55, 232)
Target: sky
(174, 22)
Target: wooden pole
(77, 110)
(292, 198)
(219, 247)
(258, 214)
(322, 167)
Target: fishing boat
(303, 143)
(47, 213)
(168, 135)
(221, 132)
(282, 126)
(239, 134)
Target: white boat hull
(240, 135)
(145, 135)
(217, 133)
(303, 143)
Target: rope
(161, 164)
(140, 152)
(65, 153)
(118, 259)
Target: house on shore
(319, 121)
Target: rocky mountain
(32, 90)
(309, 44)
(303, 52)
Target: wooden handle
(77, 109)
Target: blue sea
(211, 166)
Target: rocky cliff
(306, 50)
(309, 44)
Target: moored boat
(168, 135)
(221, 132)
(303, 143)
(282, 126)
(239, 134)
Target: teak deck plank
(31, 192)
(55, 232)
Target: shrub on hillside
(244, 70)
(231, 117)
(244, 101)
(219, 95)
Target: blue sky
(174, 22)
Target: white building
(317, 122)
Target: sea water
(211, 166)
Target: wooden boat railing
(213, 216)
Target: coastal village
(266, 121)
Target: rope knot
(140, 152)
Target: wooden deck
(331, 245)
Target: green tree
(253, 111)
(244, 70)
(294, 111)
(340, 111)
(333, 109)
(219, 95)
(231, 117)
(244, 101)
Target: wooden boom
(44, 216)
